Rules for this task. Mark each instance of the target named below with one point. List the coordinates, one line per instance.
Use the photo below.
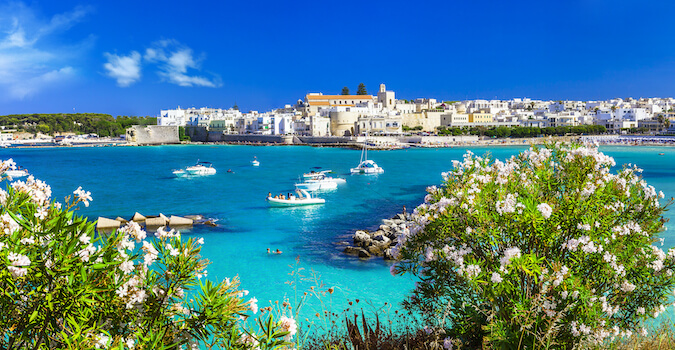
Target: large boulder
(175, 221)
(352, 250)
(138, 217)
(105, 224)
(154, 223)
(381, 239)
(361, 238)
(387, 254)
(363, 254)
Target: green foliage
(345, 91)
(80, 123)
(64, 285)
(361, 89)
(525, 131)
(548, 249)
(181, 134)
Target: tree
(547, 248)
(345, 91)
(362, 90)
(65, 285)
(235, 107)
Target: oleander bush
(63, 285)
(548, 249)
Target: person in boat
(230, 171)
(278, 251)
(268, 250)
(269, 194)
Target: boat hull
(316, 186)
(275, 202)
(377, 170)
(16, 173)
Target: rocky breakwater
(378, 243)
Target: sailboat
(366, 166)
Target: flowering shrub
(63, 285)
(549, 249)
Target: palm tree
(661, 119)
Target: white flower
(254, 305)
(18, 259)
(496, 278)
(545, 210)
(102, 341)
(83, 196)
(127, 267)
(627, 287)
(509, 253)
(17, 271)
(473, 270)
(288, 324)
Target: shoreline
(602, 140)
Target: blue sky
(137, 57)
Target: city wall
(152, 135)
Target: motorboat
(315, 174)
(366, 166)
(303, 198)
(199, 169)
(318, 184)
(13, 173)
(255, 162)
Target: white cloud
(25, 88)
(174, 60)
(125, 69)
(31, 57)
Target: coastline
(424, 142)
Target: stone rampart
(152, 135)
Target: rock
(382, 238)
(352, 250)
(363, 254)
(362, 238)
(400, 216)
(138, 217)
(385, 228)
(387, 222)
(387, 254)
(179, 221)
(375, 250)
(164, 217)
(154, 222)
(121, 220)
(106, 224)
(397, 222)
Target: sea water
(125, 180)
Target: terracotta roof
(319, 103)
(339, 97)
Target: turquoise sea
(124, 180)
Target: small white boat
(366, 166)
(199, 169)
(303, 198)
(16, 173)
(255, 162)
(320, 184)
(315, 174)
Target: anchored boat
(303, 198)
(199, 169)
